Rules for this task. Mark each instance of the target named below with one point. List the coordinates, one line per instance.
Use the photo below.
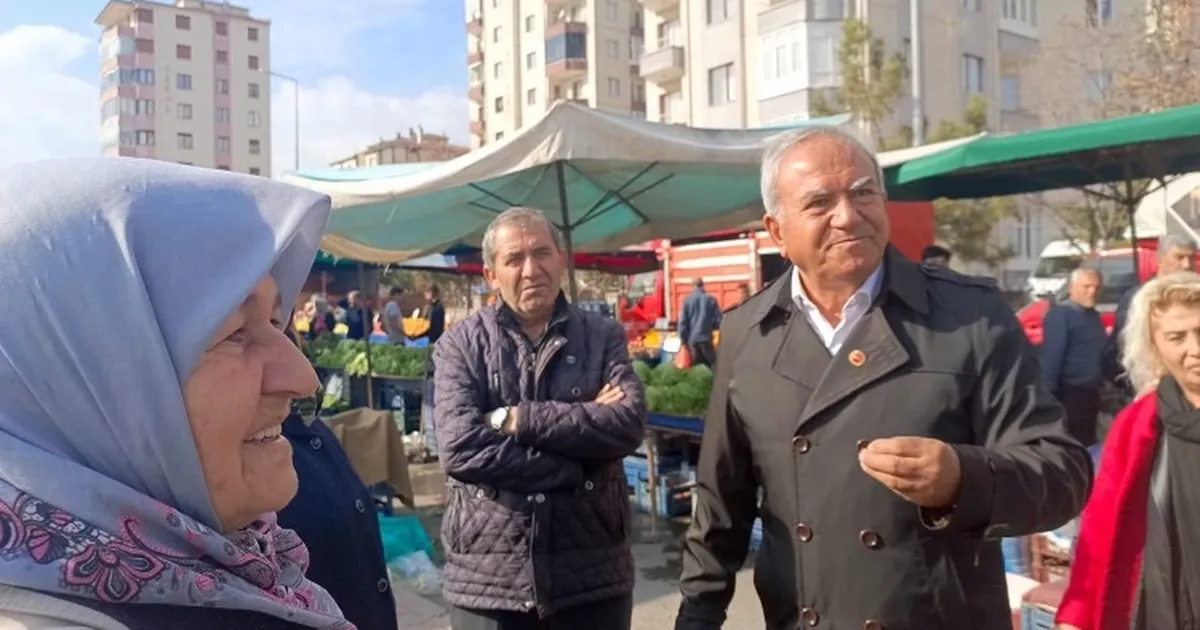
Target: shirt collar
(868, 291)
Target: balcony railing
(477, 128)
(474, 58)
(475, 92)
(658, 6)
(569, 68)
(554, 29)
(475, 24)
(663, 65)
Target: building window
(183, 81)
(972, 5)
(1098, 84)
(222, 86)
(720, 85)
(254, 170)
(183, 52)
(252, 62)
(498, 104)
(144, 138)
(223, 57)
(222, 115)
(252, 90)
(972, 73)
(529, 23)
(530, 96)
(255, 147)
(222, 29)
(497, 70)
(184, 141)
(144, 45)
(718, 11)
(252, 33)
(223, 145)
(143, 16)
(499, 136)
(143, 106)
(566, 46)
(1099, 12)
(614, 10)
(183, 22)
(183, 111)
(530, 60)
(614, 49)
(496, 35)
(830, 10)
(1010, 94)
(614, 86)
(253, 119)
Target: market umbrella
(1148, 146)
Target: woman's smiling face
(237, 399)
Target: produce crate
(671, 422)
(403, 397)
(756, 535)
(639, 467)
(1048, 561)
(671, 501)
(1039, 606)
(1016, 555)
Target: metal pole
(572, 288)
(296, 125)
(918, 73)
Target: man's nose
(845, 214)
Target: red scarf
(1108, 555)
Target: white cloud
(338, 118)
(47, 112)
(44, 111)
(319, 33)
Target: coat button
(804, 532)
(588, 485)
(801, 444)
(382, 585)
(809, 616)
(479, 493)
(574, 391)
(539, 497)
(315, 443)
(870, 539)
(871, 624)
(360, 506)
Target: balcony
(559, 4)
(477, 128)
(475, 24)
(658, 6)
(566, 69)
(663, 65)
(475, 58)
(475, 92)
(554, 29)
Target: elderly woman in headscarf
(1137, 559)
(141, 466)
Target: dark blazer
(334, 514)
(938, 355)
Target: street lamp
(295, 115)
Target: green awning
(1146, 146)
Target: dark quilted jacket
(539, 521)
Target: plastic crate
(756, 535)
(639, 467)
(403, 397)
(1036, 618)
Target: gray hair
(1139, 355)
(779, 146)
(1167, 242)
(1084, 271)
(517, 216)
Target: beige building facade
(417, 146)
(186, 82)
(523, 55)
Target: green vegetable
(643, 370)
(350, 356)
(681, 392)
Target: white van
(1056, 261)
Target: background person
(142, 467)
(1137, 559)
(1073, 342)
(536, 404)
(699, 317)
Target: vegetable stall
(392, 376)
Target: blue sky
(367, 68)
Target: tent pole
(370, 328)
(572, 288)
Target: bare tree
(1096, 68)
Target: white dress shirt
(852, 312)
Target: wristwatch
(497, 418)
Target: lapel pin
(857, 358)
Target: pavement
(656, 555)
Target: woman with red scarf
(1137, 560)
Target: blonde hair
(1142, 362)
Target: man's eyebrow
(862, 182)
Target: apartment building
(522, 55)
(186, 81)
(417, 146)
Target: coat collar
(902, 279)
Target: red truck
(729, 259)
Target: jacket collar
(506, 317)
(902, 279)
